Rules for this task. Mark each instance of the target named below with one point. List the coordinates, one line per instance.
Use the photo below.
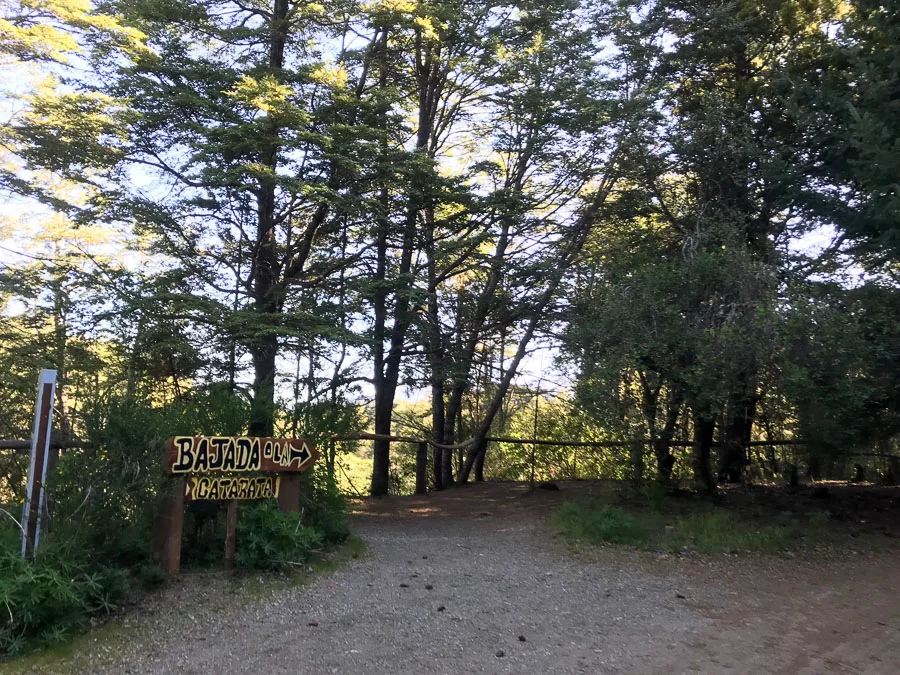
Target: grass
(709, 531)
(606, 524)
(101, 646)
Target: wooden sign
(35, 494)
(205, 454)
(204, 468)
(231, 487)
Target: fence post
(169, 527)
(289, 493)
(231, 516)
(422, 468)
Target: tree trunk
(436, 354)
(704, 431)
(637, 462)
(479, 463)
(741, 411)
(447, 467)
(60, 335)
(381, 451)
(387, 373)
(662, 446)
(264, 272)
(422, 468)
(262, 407)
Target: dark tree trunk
(637, 462)
(436, 467)
(740, 415)
(447, 467)
(264, 272)
(436, 353)
(704, 431)
(814, 468)
(387, 373)
(262, 408)
(421, 468)
(381, 462)
(665, 460)
(662, 446)
(479, 463)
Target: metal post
(35, 493)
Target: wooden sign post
(35, 494)
(210, 468)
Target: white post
(37, 467)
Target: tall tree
(242, 135)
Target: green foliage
(702, 530)
(324, 507)
(108, 496)
(45, 600)
(841, 369)
(269, 539)
(605, 524)
(722, 532)
(104, 501)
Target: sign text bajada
(218, 455)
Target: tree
(843, 97)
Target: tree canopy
(333, 217)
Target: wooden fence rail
(22, 446)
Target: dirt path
(445, 589)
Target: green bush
(269, 539)
(324, 507)
(48, 598)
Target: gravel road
(440, 596)
(493, 591)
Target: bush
(269, 539)
(104, 501)
(47, 599)
(324, 507)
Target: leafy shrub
(48, 598)
(324, 507)
(105, 500)
(269, 539)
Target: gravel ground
(494, 591)
(451, 596)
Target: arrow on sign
(303, 454)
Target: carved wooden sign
(208, 454)
(231, 487)
(211, 468)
